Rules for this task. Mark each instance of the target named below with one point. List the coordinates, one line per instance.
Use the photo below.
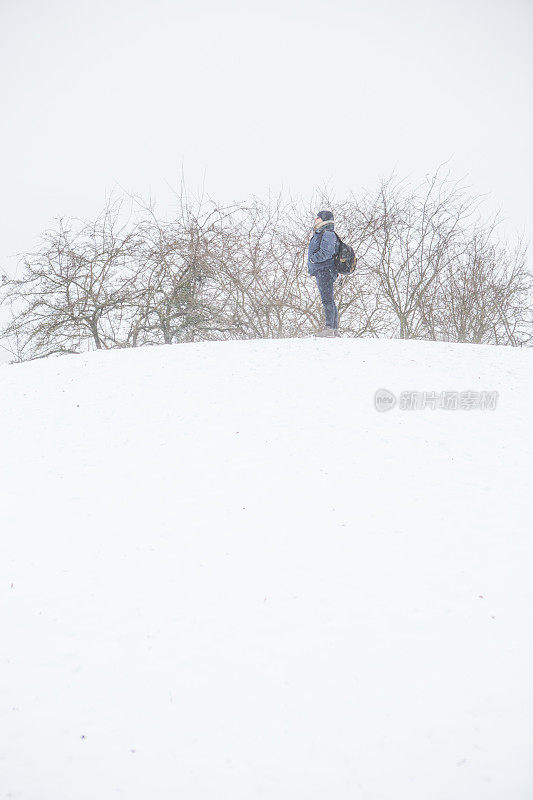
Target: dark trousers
(325, 280)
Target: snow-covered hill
(225, 575)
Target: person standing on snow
(321, 264)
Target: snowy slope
(224, 575)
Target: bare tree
(484, 295)
(74, 288)
(414, 233)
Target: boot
(326, 332)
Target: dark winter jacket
(322, 249)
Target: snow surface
(224, 575)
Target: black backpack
(345, 258)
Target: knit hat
(325, 216)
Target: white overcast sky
(247, 97)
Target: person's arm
(326, 251)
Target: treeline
(428, 268)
